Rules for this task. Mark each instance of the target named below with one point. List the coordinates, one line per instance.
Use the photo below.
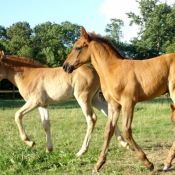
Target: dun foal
(41, 86)
(124, 83)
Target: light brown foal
(124, 83)
(41, 86)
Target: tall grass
(152, 129)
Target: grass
(152, 129)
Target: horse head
(79, 54)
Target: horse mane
(15, 61)
(108, 42)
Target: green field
(152, 129)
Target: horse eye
(78, 48)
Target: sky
(94, 15)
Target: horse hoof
(127, 147)
(94, 171)
(151, 168)
(33, 144)
(80, 153)
(49, 150)
(166, 167)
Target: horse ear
(1, 54)
(84, 33)
(172, 107)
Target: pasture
(152, 129)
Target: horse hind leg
(127, 111)
(44, 113)
(170, 157)
(18, 119)
(102, 106)
(171, 154)
(91, 119)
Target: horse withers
(41, 86)
(124, 83)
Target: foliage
(114, 29)
(157, 28)
(50, 43)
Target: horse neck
(16, 74)
(103, 57)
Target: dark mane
(108, 42)
(20, 62)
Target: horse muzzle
(68, 68)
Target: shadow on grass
(161, 99)
(7, 103)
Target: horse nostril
(70, 69)
(67, 68)
(65, 65)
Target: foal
(41, 86)
(124, 83)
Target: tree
(114, 29)
(114, 33)
(53, 42)
(157, 27)
(3, 37)
(18, 37)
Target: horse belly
(59, 95)
(155, 91)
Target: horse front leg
(44, 113)
(170, 157)
(127, 111)
(28, 106)
(102, 106)
(91, 119)
(113, 114)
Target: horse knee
(46, 125)
(94, 118)
(18, 117)
(127, 133)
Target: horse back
(52, 85)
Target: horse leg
(91, 119)
(101, 106)
(28, 106)
(120, 138)
(113, 115)
(170, 157)
(127, 111)
(44, 113)
(171, 154)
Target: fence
(9, 91)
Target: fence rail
(9, 91)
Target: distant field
(152, 129)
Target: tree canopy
(50, 43)
(156, 28)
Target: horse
(124, 83)
(171, 154)
(41, 86)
